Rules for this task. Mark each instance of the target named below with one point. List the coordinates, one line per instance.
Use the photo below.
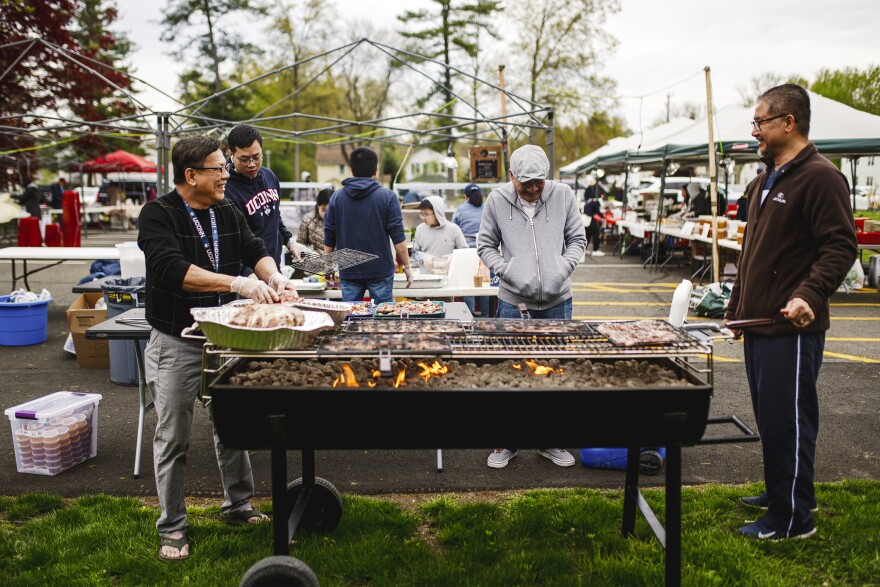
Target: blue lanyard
(215, 257)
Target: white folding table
(53, 255)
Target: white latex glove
(297, 249)
(253, 289)
(281, 284)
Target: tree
(301, 24)
(560, 44)
(454, 27)
(761, 83)
(98, 101)
(193, 26)
(48, 69)
(574, 141)
(851, 86)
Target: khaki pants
(173, 368)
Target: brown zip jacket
(799, 244)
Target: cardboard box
(82, 315)
(56, 432)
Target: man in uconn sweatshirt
(363, 216)
(255, 190)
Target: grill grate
(332, 262)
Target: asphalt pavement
(605, 288)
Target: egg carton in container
(336, 310)
(215, 325)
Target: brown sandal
(244, 517)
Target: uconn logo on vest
(268, 196)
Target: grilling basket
(215, 325)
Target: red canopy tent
(117, 161)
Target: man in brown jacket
(799, 244)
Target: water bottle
(679, 308)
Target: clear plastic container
(55, 433)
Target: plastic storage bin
(122, 295)
(55, 433)
(650, 459)
(23, 323)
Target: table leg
(143, 407)
(630, 492)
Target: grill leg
(280, 534)
(673, 515)
(630, 491)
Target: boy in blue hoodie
(363, 216)
(255, 190)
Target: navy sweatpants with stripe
(782, 373)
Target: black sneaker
(760, 530)
(762, 502)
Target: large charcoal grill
(317, 417)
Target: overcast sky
(661, 43)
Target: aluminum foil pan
(214, 323)
(336, 310)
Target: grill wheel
(324, 509)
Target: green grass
(542, 537)
(872, 214)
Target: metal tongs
(726, 331)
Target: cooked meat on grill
(540, 326)
(268, 316)
(638, 332)
(396, 342)
(408, 326)
(414, 308)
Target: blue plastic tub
(23, 324)
(650, 461)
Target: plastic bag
(854, 280)
(712, 301)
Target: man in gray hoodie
(532, 238)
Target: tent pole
(550, 139)
(713, 178)
(625, 189)
(504, 145)
(853, 163)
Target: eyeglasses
(756, 124)
(218, 170)
(248, 160)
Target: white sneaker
(559, 456)
(499, 458)
(598, 254)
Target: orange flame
(538, 369)
(435, 370)
(517, 366)
(371, 384)
(400, 378)
(346, 378)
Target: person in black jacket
(58, 193)
(255, 190)
(194, 244)
(799, 243)
(699, 205)
(30, 198)
(593, 212)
